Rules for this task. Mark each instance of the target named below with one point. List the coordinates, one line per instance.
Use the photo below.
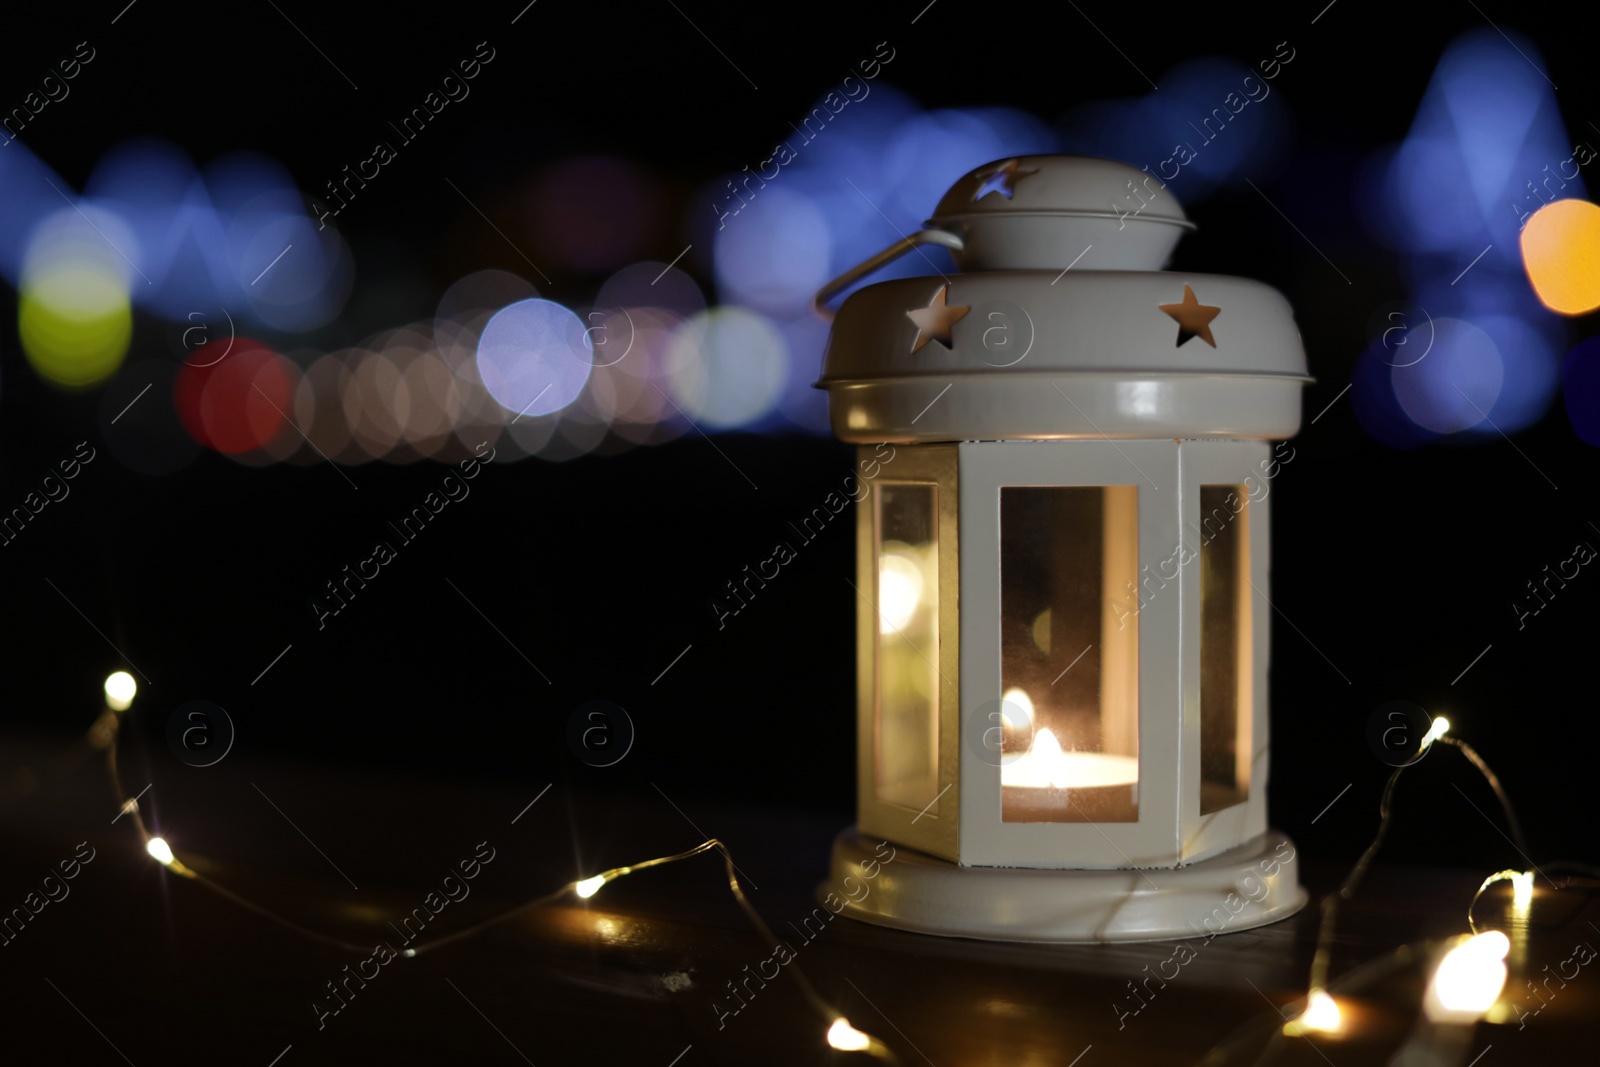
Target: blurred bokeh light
(727, 367)
(1483, 154)
(74, 313)
(534, 357)
(639, 357)
(1561, 252)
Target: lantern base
(1245, 887)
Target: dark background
(1395, 567)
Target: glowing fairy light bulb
(1521, 891)
(120, 690)
(1436, 730)
(1322, 1016)
(1469, 979)
(160, 851)
(846, 1038)
(589, 886)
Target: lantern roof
(1061, 323)
(1059, 188)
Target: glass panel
(1225, 699)
(907, 678)
(1069, 654)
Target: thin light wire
(1497, 876)
(1351, 981)
(1499, 790)
(829, 1013)
(1588, 870)
(1330, 903)
(105, 732)
(24, 781)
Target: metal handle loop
(942, 238)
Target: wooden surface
(138, 966)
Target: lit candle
(1047, 784)
(1045, 765)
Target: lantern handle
(943, 238)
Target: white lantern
(1063, 568)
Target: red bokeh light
(238, 402)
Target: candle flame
(1047, 750)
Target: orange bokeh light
(1561, 253)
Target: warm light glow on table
(1521, 892)
(1045, 765)
(1322, 1016)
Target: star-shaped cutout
(1193, 318)
(1002, 179)
(934, 321)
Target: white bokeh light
(534, 357)
(726, 367)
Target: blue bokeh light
(1485, 150)
(1379, 413)
(534, 357)
(777, 254)
(1229, 118)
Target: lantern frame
(967, 826)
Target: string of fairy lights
(1321, 1012)
(1468, 977)
(1469, 971)
(120, 690)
